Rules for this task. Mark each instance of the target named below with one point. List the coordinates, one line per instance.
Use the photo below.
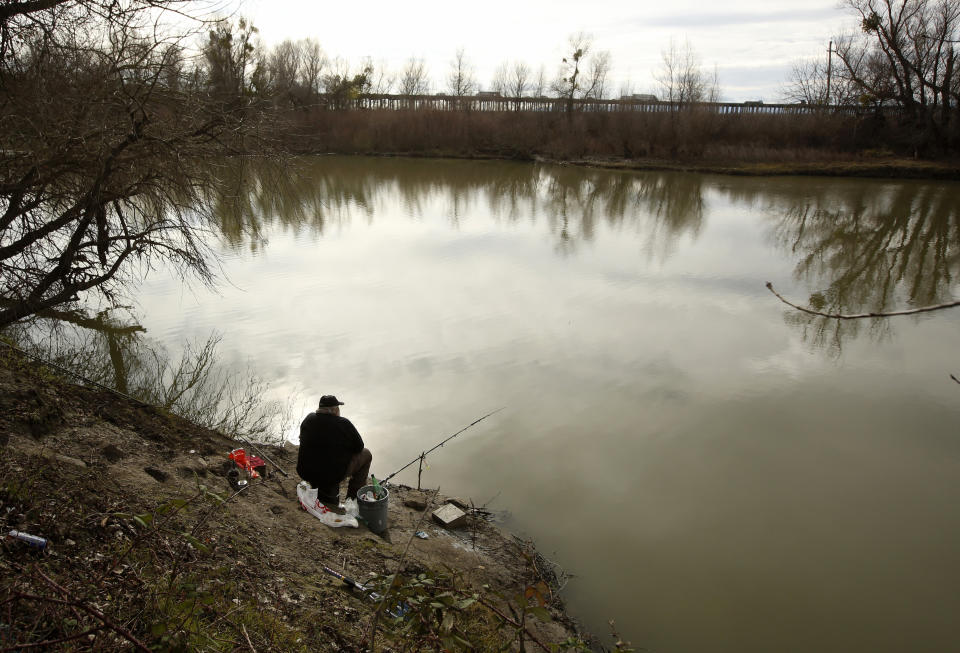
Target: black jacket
(327, 443)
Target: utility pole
(829, 69)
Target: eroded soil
(131, 500)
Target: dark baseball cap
(326, 401)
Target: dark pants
(357, 471)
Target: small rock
(276, 509)
(186, 471)
(416, 504)
(112, 453)
(158, 474)
(69, 542)
(76, 462)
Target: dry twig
(858, 316)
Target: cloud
(763, 74)
(739, 18)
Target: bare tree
(905, 54)
(461, 81)
(381, 80)
(314, 62)
(284, 65)
(414, 79)
(109, 180)
(812, 82)
(595, 78)
(518, 82)
(569, 83)
(501, 79)
(22, 20)
(713, 86)
(681, 79)
(539, 87)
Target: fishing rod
(373, 596)
(396, 611)
(424, 454)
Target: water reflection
(870, 248)
(114, 352)
(315, 193)
(745, 489)
(863, 245)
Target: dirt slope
(144, 552)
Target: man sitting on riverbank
(331, 450)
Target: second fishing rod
(424, 454)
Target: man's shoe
(334, 508)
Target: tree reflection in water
(875, 248)
(196, 386)
(865, 245)
(314, 193)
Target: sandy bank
(143, 551)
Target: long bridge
(494, 102)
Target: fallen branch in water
(857, 316)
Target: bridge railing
(500, 103)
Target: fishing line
(424, 454)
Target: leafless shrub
(196, 385)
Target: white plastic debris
(309, 502)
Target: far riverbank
(829, 145)
(883, 168)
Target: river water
(718, 471)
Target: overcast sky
(751, 42)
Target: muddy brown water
(721, 473)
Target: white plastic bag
(309, 502)
(352, 507)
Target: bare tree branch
(113, 177)
(857, 316)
